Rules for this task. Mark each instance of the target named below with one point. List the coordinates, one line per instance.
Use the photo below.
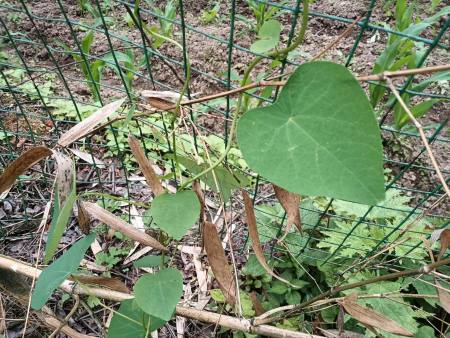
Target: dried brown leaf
(290, 203)
(445, 242)
(372, 318)
(259, 310)
(64, 176)
(86, 126)
(84, 221)
(118, 224)
(19, 165)
(2, 317)
(146, 166)
(88, 158)
(343, 334)
(253, 233)
(444, 297)
(162, 100)
(110, 283)
(201, 197)
(96, 247)
(160, 104)
(219, 263)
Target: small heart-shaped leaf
(158, 293)
(176, 213)
(122, 327)
(269, 36)
(319, 138)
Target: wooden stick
(405, 72)
(271, 82)
(66, 319)
(338, 39)
(63, 327)
(233, 323)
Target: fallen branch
(15, 285)
(62, 327)
(230, 322)
(344, 34)
(66, 319)
(271, 82)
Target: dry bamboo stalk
(55, 324)
(234, 323)
(271, 82)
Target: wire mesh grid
(45, 90)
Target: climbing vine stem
(282, 53)
(183, 91)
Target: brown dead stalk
(272, 82)
(230, 322)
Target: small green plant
(112, 256)
(165, 18)
(14, 16)
(91, 69)
(126, 65)
(268, 37)
(91, 8)
(18, 78)
(263, 11)
(403, 52)
(210, 15)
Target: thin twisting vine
(278, 53)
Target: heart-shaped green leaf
(319, 138)
(150, 261)
(269, 36)
(223, 181)
(131, 322)
(158, 293)
(176, 213)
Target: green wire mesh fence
(60, 61)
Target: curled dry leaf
(84, 221)
(110, 283)
(64, 176)
(118, 224)
(291, 204)
(372, 318)
(201, 197)
(2, 317)
(162, 100)
(91, 159)
(259, 310)
(146, 166)
(253, 233)
(86, 126)
(444, 236)
(219, 263)
(444, 297)
(19, 165)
